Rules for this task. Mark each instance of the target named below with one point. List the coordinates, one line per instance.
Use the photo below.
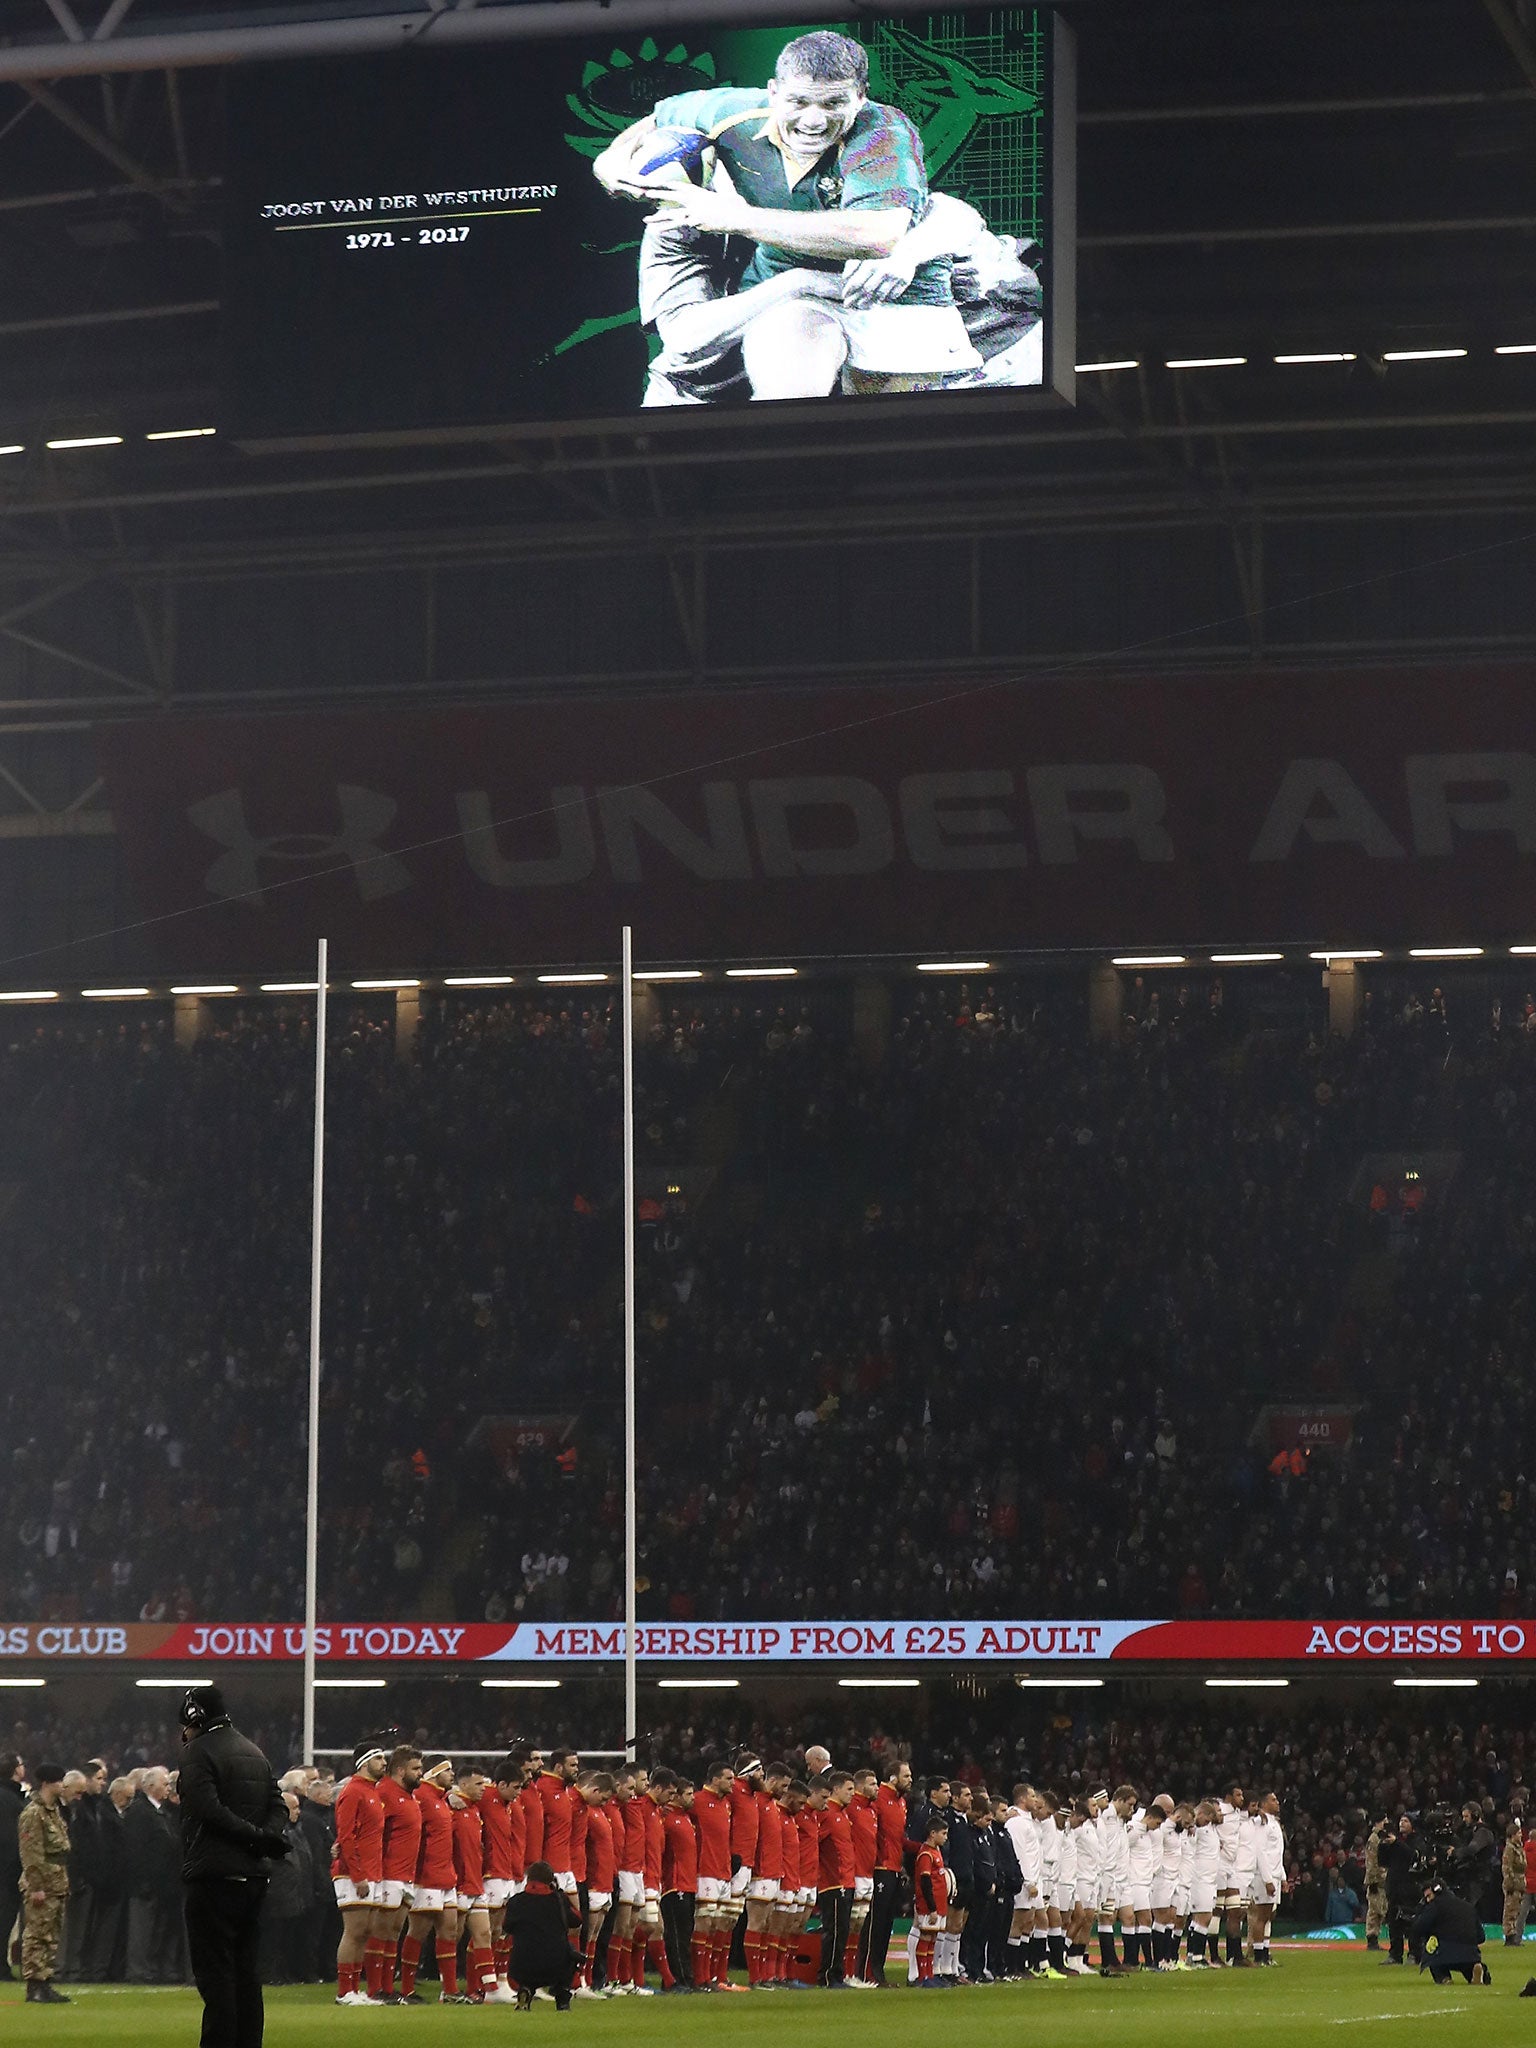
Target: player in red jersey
(679, 1875)
(930, 1894)
(496, 1828)
(834, 1896)
(890, 1848)
(626, 1944)
(511, 1773)
(785, 1908)
(531, 1803)
(558, 1800)
(863, 1819)
(808, 1821)
(767, 1871)
(651, 1796)
(595, 1791)
(357, 1870)
(469, 1880)
(745, 1786)
(580, 1814)
(402, 1841)
(435, 1898)
(717, 1910)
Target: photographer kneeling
(1448, 1938)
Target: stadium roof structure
(1342, 198)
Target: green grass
(1302, 2000)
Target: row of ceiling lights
(390, 983)
(112, 440)
(730, 1684)
(1389, 355)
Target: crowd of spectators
(962, 1312)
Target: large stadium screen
(670, 223)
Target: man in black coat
(1399, 1859)
(232, 1829)
(154, 1906)
(106, 1945)
(539, 1924)
(322, 1928)
(1010, 1882)
(12, 1800)
(1448, 1938)
(289, 1905)
(978, 1927)
(84, 1909)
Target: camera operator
(1402, 1867)
(1474, 1856)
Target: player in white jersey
(1144, 1859)
(1268, 1875)
(1023, 1827)
(1063, 1891)
(1184, 1834)
(1085, 1896)
(1047, 1920)
(1236, 1871)
(1164, 1937)
(1113, 1870)
(1204, 1880)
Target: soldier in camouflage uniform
(1375, 1886)
(1513, 1868)
(43, 1840)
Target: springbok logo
(236, 876)
(947, 99)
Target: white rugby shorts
(347, 1892)
(391, 1893)
(599, 1902)
(565, 1881)
(631, 1888)
(912, 341)
(426, 1899)
(713, 1889)
(863, 1890)
(763, 1888)
(497, 1891)
(740, 1881)
(1138, 1899)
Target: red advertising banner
(781, 1643)
(1355, 808)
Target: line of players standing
(650, 1868)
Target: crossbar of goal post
(312, 1496)
(453, 1749)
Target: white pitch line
(1438, 2013)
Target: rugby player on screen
(815, 175)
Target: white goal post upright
(631, 1558)
(312, 1501)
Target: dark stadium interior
(1160, 1288)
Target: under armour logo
(365, 813)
